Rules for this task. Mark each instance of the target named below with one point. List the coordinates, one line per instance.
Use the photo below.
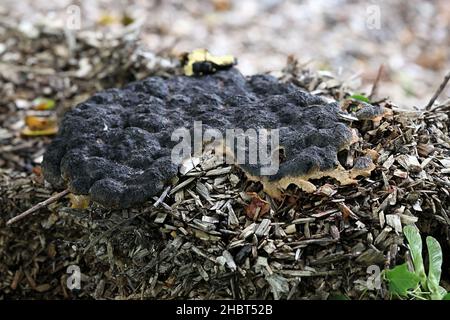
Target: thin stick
(377, 81)
(438, 92)
(40, 205)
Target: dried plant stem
(376, 82)
(40, 205)
(438, 92)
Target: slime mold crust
(116, 146)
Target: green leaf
(415, 246)
(401, 280)
(360, 97)
(339, 297)
(434, 269)
(447, 296)
(440, 295)
(43, 104)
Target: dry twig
(438, 92)
(376, 82)
(40, 205)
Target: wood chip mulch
(213, 234)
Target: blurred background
(351, 38)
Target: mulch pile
(213, 234)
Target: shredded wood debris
(213, 234)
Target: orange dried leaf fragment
(257, 207)
(39, 122)
(37, 125)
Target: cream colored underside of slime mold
(275, 188)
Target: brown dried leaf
(257, 207)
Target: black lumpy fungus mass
(116, 146)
